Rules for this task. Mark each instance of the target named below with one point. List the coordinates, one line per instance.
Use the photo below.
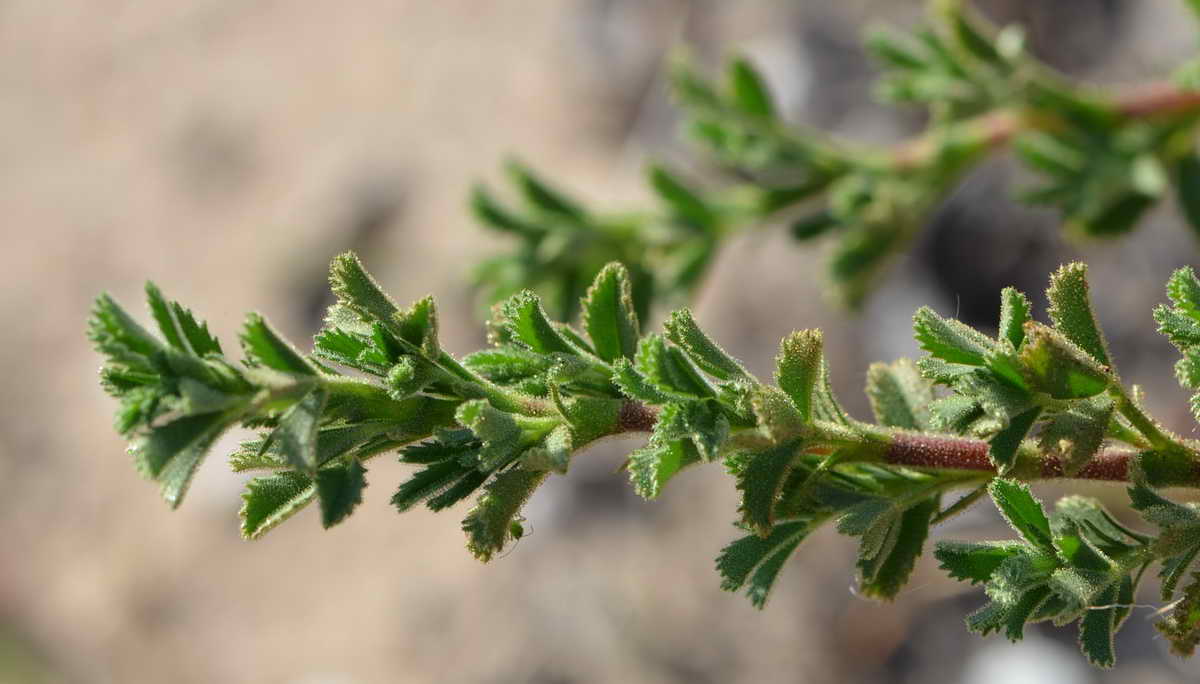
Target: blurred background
(228, 149)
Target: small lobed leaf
(488, 524)
(1056, 366)
(609, 316)
(899, 395)
(950, 340)
(761, 482)
(297, 431)
(1077, 434)
(527, 324)
(973, 562)
(1014, 313)
(669, 371)
(681, 329)
(1003, 447)
(269, 501)
(339, 489)
(358, 292)
(798, 368)
(754, 562)
(884, 575)
(1023, 512)
(1071, 311)
(652, 466)
(264, 347)
(170, 454)
(178, 326)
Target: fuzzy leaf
(1023, 512)
(669, 371)
(269, 501)
(264, 347)
(653, 465)
(339, 489)
(899, 396)
(297, 431)
(1002, 448)
(761, 482)
(1071, 311)
(358, 291)
(1058, 367)
(1076, 435)
(178, 327)
(798, 368)
(681, 329)
(488, 524)
(526, 323)
(973, 562)
(171, 453)
(608, 314)
(1014, 313)
(950, 340)
(884, 575)
(756, 561)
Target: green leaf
(269, 501)
(1075, 436)
(1096, 630)
(825, 404)
(776, 415)
(1014, 313)
(761, 482)
(359, 293)
(526, 323)
(953, 414)
(433, 480)
(669, 371)
(681, 329)
(116, 335)
(297, 431)
(749, 91)
(541, 196)
(653, 465)
(1181, 329)
(609, 316)
(491, 213)
(178, 326)
(418, 325)
(1059, 368)
(171, 453)
(264, 347)
(339, 489)
(757, 561)
(636, 386)
(950, 340)
(798, 368)
(885, 575)
(1002, 448)
(681, 198)
(1071, 311)
(1023, 512)
(488, 524)
(899, 396)
(1184, 290)
(973, 562)
(498, 430)
(554, 453)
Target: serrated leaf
(1184, 290)
(431, 481)
(950, 340)
(884, 575)
(775, 413)
(264, 347)
(953, 414)
(653, 465)
(1071, 311)
(1182, 330)
(761, 482)
(1074, 436)
(749, 91)
(269, 501)
(1002, 448)
(488, 524)
(635, 385)
(1023, 512)
(418, 326)
(973, 562)
(554, 453)
(177, 325)
(609, 316)
(798, 368)
(669, 370)
(1096, 630)
(899, 396)
(757, 561)
(527, 324)
(358, 292)
(681, 329)
(170, 454)
(825, 404)
(297, 431)
(1014, 313)
(498, 430)
(1056, 366)
(339, 489)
